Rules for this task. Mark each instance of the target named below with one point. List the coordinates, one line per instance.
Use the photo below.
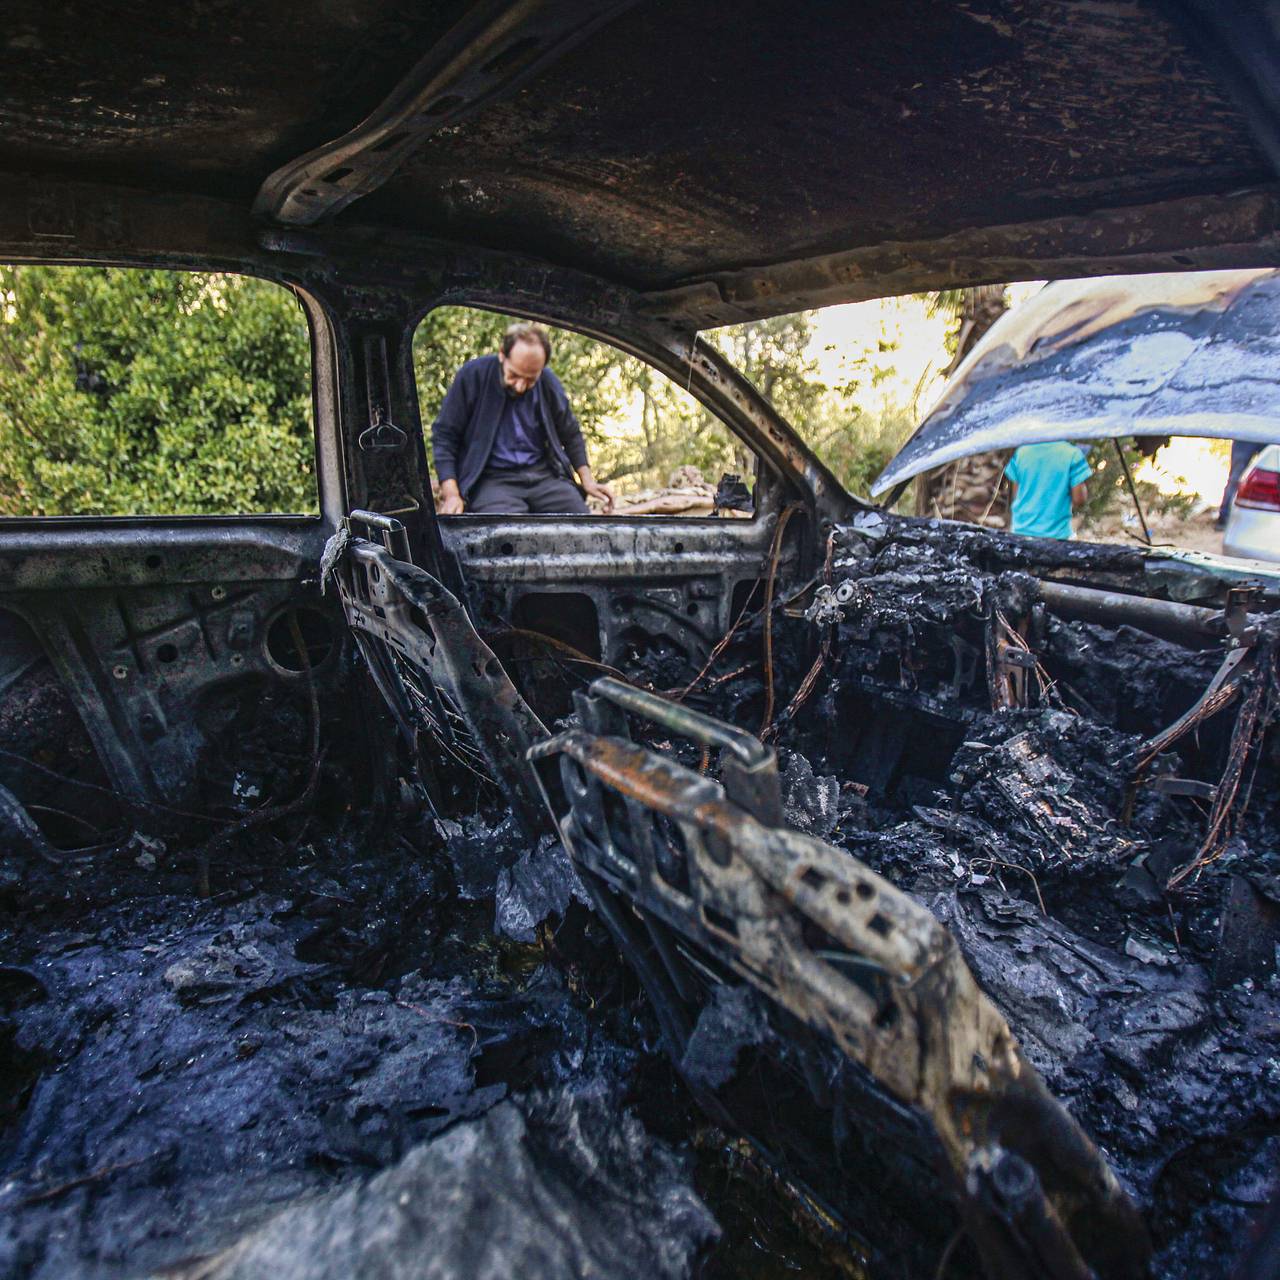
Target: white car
(1253, 525)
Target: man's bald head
(525, 350)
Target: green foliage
(156, 392)
(949, 303)
(1107, 489)
(856, 443)
(152, 392)
(1109, 493)
(851, 426)
(774, 355)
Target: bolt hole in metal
(167, 653)
(153, 561)
(878, 924)
(670, 854)
(317, 637)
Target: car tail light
(1261, 489)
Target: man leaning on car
(506, 440)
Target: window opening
(655, 448)
(128, 391)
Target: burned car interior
(830, 890)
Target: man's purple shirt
(520, 441)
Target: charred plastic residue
(416, 1031)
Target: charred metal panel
(1100, 137)
(1190, 577)
(144, 630)
(491, 53)
(672, 173)
(604, 550)
(75, 220)
(1240, 43)
(1241, 229)
(652, 581)
(206, 100)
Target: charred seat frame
(450, 696)
(702, 884)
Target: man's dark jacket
(462, 437)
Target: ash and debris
(1151, 1012)
(810, 803)
(730, 1021)
(366, 1022)
(373, 1013)
(539, 885)
(373, 1016)
(583, 1194)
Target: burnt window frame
(326, 445)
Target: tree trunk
(970, 489)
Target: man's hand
(451, 503)
(593, 489)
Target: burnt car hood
(1155, 355)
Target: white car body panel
(1252, 533)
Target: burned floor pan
(1111, 883)
(201, 1034)
(327, 1049)
(1120, 916)
(746, 933)
(196, 1086)
(341, 1003)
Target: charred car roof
(723, 164)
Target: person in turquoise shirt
(1048, 483)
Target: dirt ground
(1194, 532)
